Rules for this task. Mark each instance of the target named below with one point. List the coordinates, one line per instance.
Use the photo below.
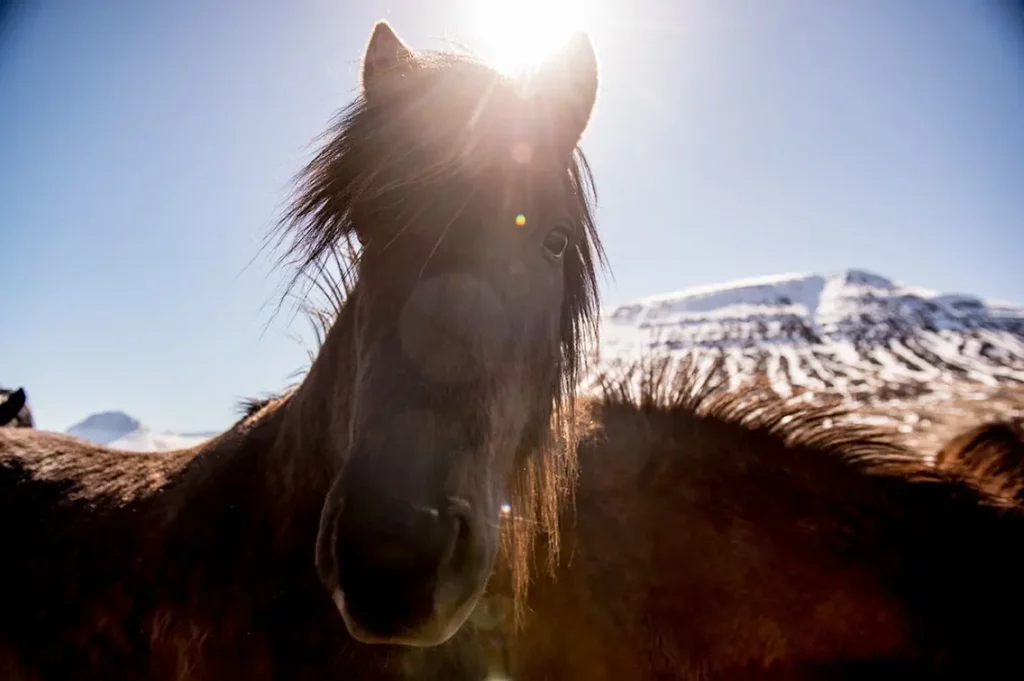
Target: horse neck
(309, 429)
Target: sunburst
(515, 35)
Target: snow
(120, 431)
(850, 332)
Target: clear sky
(146, 148)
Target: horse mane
(250, 406)
(992, 453)
(656, 384)
(362, 160)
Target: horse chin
(435, 632)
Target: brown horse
(992, 453)
(428, 405)
(723, 535)
(14, 410)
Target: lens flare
(518, 34)
(522, 152)
(520, 220)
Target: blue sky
(148, 146)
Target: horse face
(466, 295)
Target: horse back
(72, 519)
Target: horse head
(475, 288)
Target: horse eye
(556, 241)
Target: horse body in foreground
(725, 535)
(141, 566)
(264, 552)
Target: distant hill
(120, 431)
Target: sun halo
(515, 36)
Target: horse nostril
(402, 565)
(460, 512)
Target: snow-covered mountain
(851, 332)
(120, 431)
(910, 356)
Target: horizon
(150, 147)
(698, 291)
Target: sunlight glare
(515, 35)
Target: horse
(724, 534)
(350, 510)
(992, 453)
(14, 409)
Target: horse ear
(385, 56)
(567, 82)
(10, 408)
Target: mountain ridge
(118, 430)
(824, 331)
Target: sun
(514, 35)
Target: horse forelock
(413, 152)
